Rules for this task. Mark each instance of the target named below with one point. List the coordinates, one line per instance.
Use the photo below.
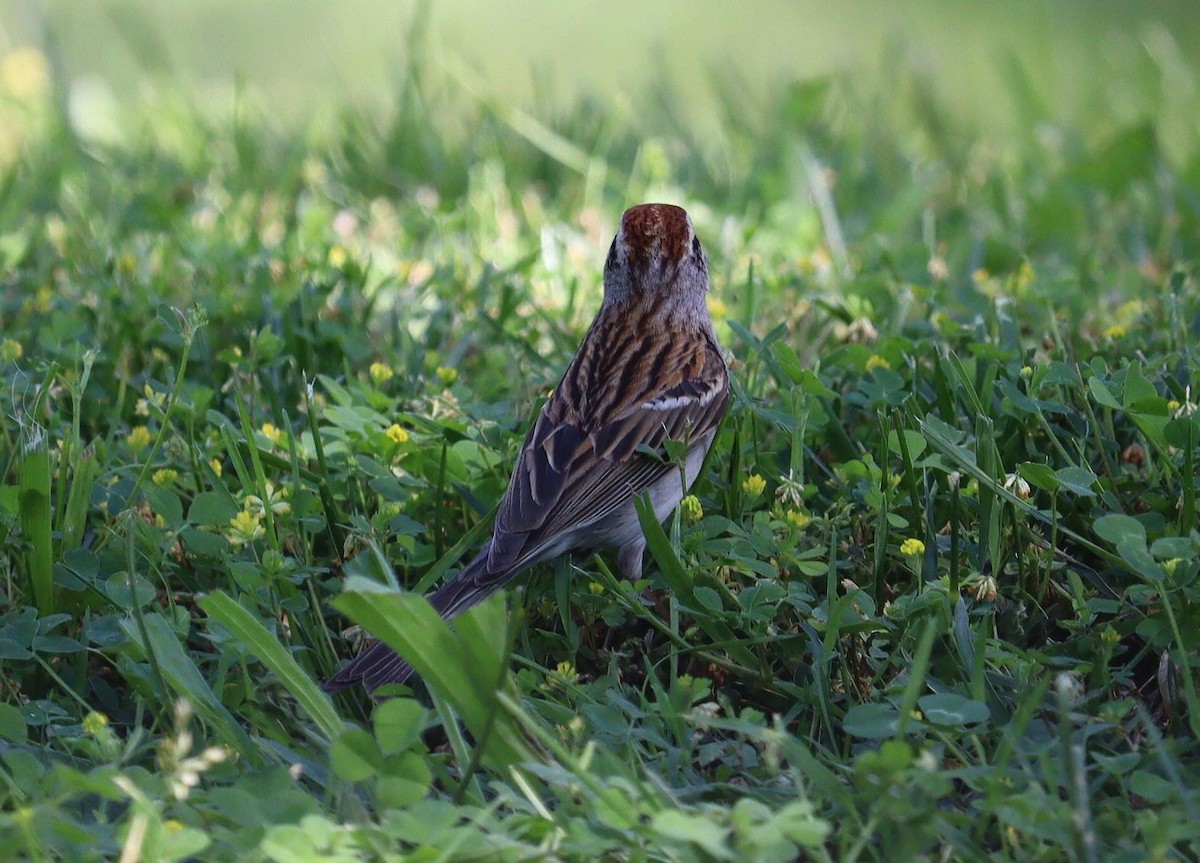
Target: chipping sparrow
(649, 369)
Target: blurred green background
(949, 241)
(1067, 61)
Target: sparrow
(649, 369)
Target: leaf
(1137, 388)
(1173, 546)
(873, 721)
(56, 644)
(913, 439)
(355, 755)
(681, 583)
(402, 524)
(164, 502)
(694, 829)
(1153, 788)
(1076, 479)
(398, 724)
(211, 509)
(124, 591)
(1039, 476)
(1102, 394)
(404, 779)
(1182, 433)
(709, 599)
(12, 724)
(949, 708)
(1120, 528)
(202, 543)
(1153, 426)
(244, 626)
(182, 675)
(465, 669)
(1134, 553)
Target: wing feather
(575, 469)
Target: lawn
(935, 595)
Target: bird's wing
(576, 468)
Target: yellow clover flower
(138, 439)
(797, 518)
(271, 433)
(396, 434)
(244, 527)
(754, 485)
(380, 372)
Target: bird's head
(656, 255)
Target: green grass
(938, 600)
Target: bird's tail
(379, 664)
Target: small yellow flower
(1116, 331)
(877, 362)
(165, 476)
(564, 673)
(1173, 405)
(754, 485)
(446, 375)
(215, 464)
(42, 300)
(396, 434)
(271, 433)
(25, 73)
(1023, 277)
(138, 439)
(717, 308)
(244, 527)
(1026, 372)
(380, 372)
(691, 509)
(337, 257)
(797, 518)
(912, 547)
(126, 264)
(10, 351)
(595, 587)
(94, 723)
(1169, 566)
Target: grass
(936, 597)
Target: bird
(649, 369)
